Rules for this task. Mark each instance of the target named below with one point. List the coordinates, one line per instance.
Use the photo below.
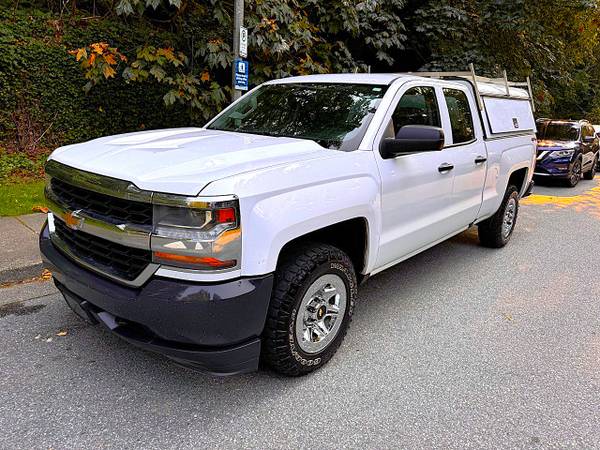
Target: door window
(589, 130)
(461, 120)
(585, 132)
(418, 106)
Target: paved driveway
(461, 346)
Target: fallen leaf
(38, 336)
(46, 274)
(49, 340)
(508, 317)
(62, 333)
(38, 208)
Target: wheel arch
(351, 236)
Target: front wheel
(311, 308)
(574, 174)
(495, 232)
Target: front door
(416, 189)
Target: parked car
(597, 130)
(566, 149)
(247, 239)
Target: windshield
(333, 115)
(554, 131)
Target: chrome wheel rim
(509, 217)
(576, 173)
(321, 313)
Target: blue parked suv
(566, 149)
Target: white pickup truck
(245, 240)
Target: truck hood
(183, 160)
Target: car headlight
(563, 153)
(197, 235)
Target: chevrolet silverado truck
(244, 241)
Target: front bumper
(212, 327)
(553, 167)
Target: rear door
(589, 147)
(466, 149)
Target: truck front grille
(106, 207)
(111, 258)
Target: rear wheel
(574, 174)
(495, 232)
(589, 175)
(311, 308)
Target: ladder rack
(475, 79)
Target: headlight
(198, 235)
(562, 153)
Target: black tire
(491, 231)
(574, 174)
(299, 269)
(589, 175)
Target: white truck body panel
(508, 115)
(290, 187)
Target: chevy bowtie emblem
(74, 220)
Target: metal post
(238, 21)
(475, 87)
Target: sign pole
(238, 21)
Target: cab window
(418, 106)
(461, 120)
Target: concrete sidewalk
(20, 257)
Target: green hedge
(43, 83)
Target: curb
(21, 273)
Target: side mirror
(412, 139)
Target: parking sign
(242, 68)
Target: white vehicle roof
(485, 89)
(359, 78)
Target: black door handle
(445, 167)
(480, 159)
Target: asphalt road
(461, 346)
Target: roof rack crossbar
(475, 79)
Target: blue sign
(242, 69)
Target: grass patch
(20, 196)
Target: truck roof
(489, 89)
(362, 78)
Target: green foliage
(42, 102)
(20, 197)
(19, 164)
(553, 41)
(161, 63)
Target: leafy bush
(42, 102)
(19, 164)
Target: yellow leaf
(99, 47)
(91, 59)
(108, 71)
(167, 53)
(81, 53)
(62, 333)
(110, 59)
(38, 208)
(205, 76)
(46, 274)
